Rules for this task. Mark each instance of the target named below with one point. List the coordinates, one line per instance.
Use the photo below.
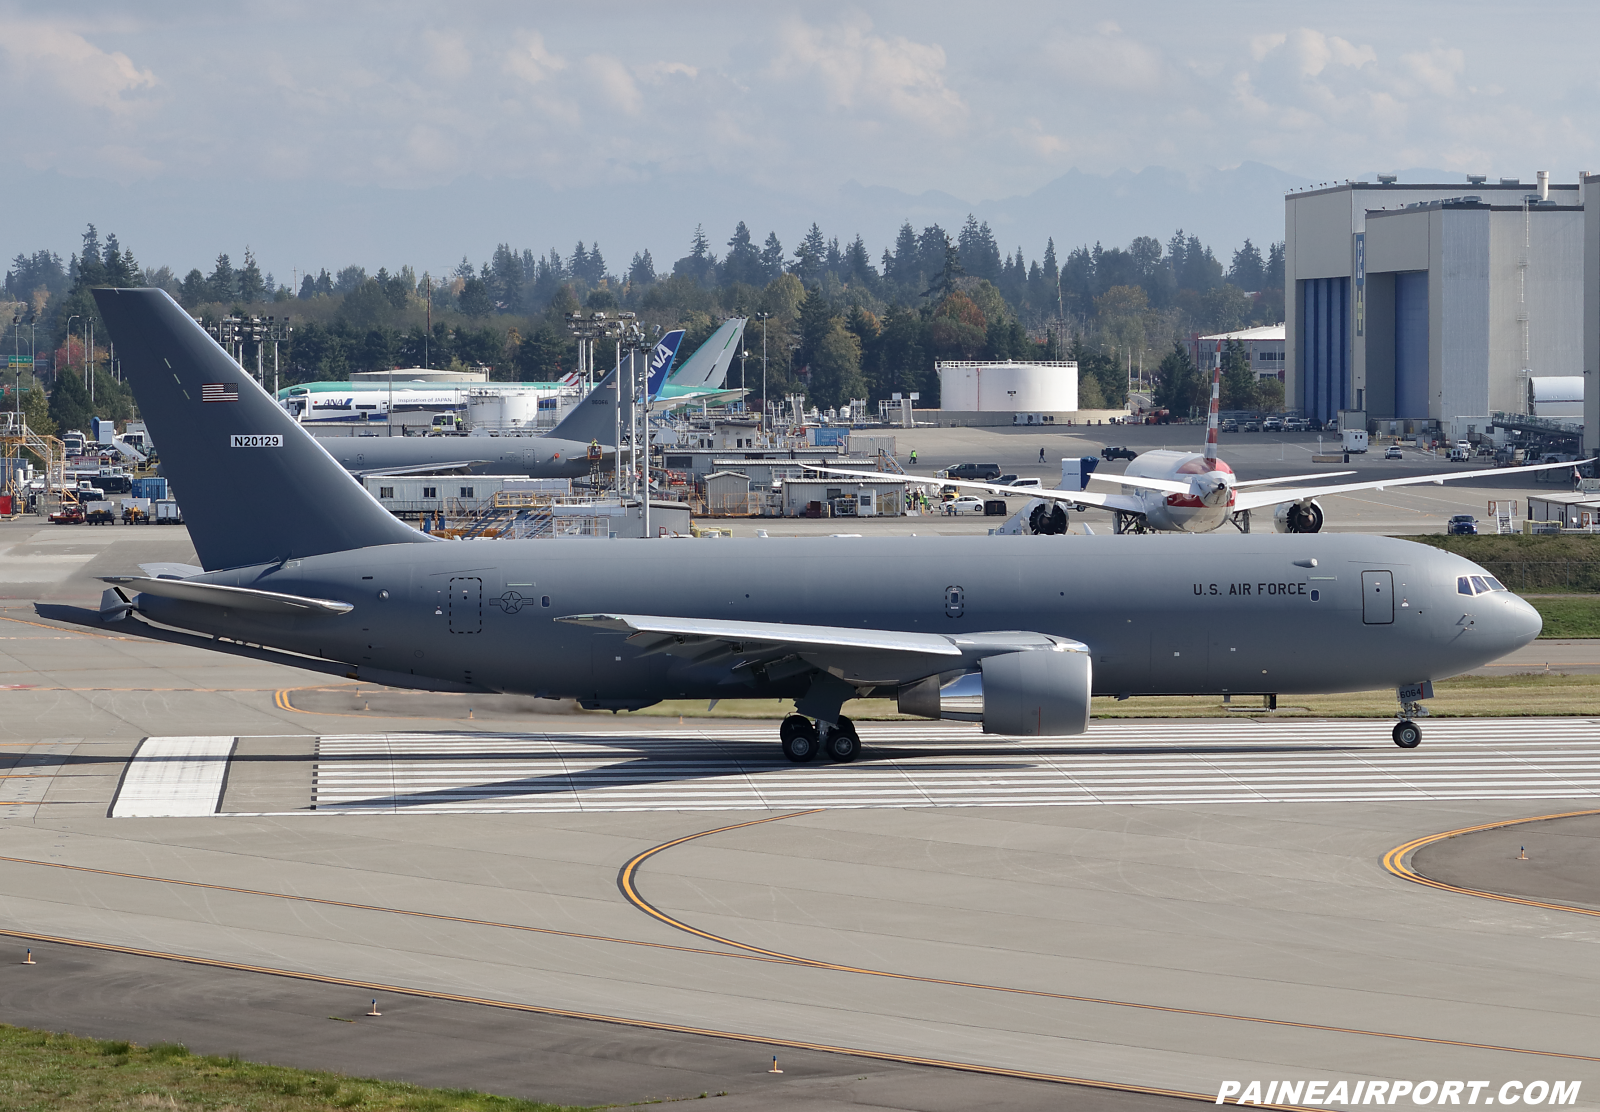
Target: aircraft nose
(1520, 620)
(1507, 622)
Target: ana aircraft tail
(255, 487)
(707, 368)
(661, 360)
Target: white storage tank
(984, 387)
(491, 411)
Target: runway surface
(921, 766)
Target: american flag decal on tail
(219, 391)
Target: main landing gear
(802, 738)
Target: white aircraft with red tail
(1196, 492)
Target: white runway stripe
(739, 767)
(174, 776)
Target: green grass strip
(64, 1073)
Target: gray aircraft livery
(583, 440)
(1014, 631)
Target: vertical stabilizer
(661, 360)
(255, 487)
(595, 417)
(707, 368)
(1216, 395)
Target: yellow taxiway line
(627, 881)
(1395, 862)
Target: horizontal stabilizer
(234, 598)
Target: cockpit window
(1464, 585)
(1495, 584)
(1482, 588)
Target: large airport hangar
(1427, 304)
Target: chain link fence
(1533, 576)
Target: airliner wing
(421, 468)
(1167, 486)
(863, 657)
(1255, 499)
(1128, 503)
(1172, 486)
(1289, 479)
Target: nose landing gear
(1407, 734)
(801, 739)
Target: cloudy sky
(329, 133)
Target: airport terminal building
(1433, 305)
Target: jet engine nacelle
(1040, 693)
(1293, 517)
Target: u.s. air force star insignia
(511, 602)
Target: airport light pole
(763, 318)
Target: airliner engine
(1298, 517)
(1040, 693)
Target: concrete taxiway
(1213, 904)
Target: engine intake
(1039, 693)
(1292, 517)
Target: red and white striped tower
(1216, 395)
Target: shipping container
(153, 487)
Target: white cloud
(1108, 59)
(612, 78)
(80, 70)
(529, 59)
(863, 72)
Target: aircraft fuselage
(1259, 613)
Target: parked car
(1117, 451)
(1462, 525)
(1272, 424)
(1230, 425)
(1296, 424)
(1392, 452)
(973, 472)
(1005, 480)
(1026, 484)
(966, 504)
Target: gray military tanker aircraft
(1016, 632)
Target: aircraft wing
(1256, 499)
(1289, 479)
(1172, 486)
(1126, 502)
(863, 657)
(421, 468)
(1167, 486)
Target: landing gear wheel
(799, 738)
(1407, 734)
(842, 744)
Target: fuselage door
(1377, 597)
(466, 605)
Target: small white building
(1263, 346)
(845, 498)
(971, 386)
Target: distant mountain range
(301, 225)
